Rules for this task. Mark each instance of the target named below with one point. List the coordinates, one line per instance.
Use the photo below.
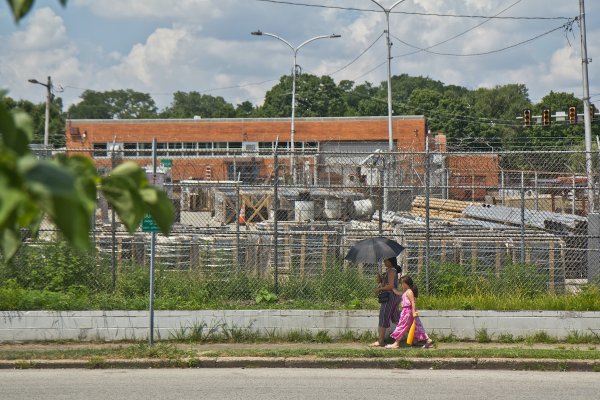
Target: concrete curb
(311, 362)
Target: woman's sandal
(428, 344)
(376, 344)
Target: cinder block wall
(18, 326)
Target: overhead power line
(430, 47)
(424, 14)
(565, 26)
(357, 57)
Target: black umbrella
(374, 250)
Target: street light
(386, 197)
(295, 51)
(48, 100)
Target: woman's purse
(383, 297)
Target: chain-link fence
(248, 227)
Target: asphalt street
(292, 384)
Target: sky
(160, 46)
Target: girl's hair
(408, 280)
(394, 263)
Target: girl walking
(409, 313)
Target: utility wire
(359, 56)
(291, 3)
(474, 27)
(563, 26)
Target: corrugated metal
(512, 215)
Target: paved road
(290, 384)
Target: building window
(204, 149)
(100, 150)
(145, 150)
(235, 147)
(265, 147)
(189, 149)
(219, 148)
(173, 147)
(311, 147)
(161, 149)
(130, 149)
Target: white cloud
(40, 49)
(205, 44)
(159, 9)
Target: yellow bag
(411, 332)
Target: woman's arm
(391, 276)
(413, 302)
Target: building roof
(213, 120)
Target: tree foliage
(192, 104)
(37, 112)
(65, 190)
(114, 104)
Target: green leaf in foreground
(128, 191)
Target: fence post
(537, 195)
(238, 207)
(381, 200)
(113, 234)
(573, 207)
(522, 258)
(503, 190)
(427, 211)
(275, 221)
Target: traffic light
(546, 117)
(527, 118)
(592, 111)
(572, 115)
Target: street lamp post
(48, 101)
(295, 51)
(387, 11)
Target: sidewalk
(454, 355)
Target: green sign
(149, 225)
(166, 163)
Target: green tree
(38, 114)
(315, 97)
(119, 104)
(189, 105)
(245, 110)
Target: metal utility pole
(586, 108)
(152, 256)
(48, 86)
(386, 196)
(295, 51)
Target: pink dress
(406, 320)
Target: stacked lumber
(444, 209)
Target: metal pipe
(427, 212)
(152, 256)
(522, 257)
(586, 108)
(275, 219)
(237, 221)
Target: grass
(96, 357)
(55, 277)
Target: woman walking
(388, 309)
(409, 313)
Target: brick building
(212, 149)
